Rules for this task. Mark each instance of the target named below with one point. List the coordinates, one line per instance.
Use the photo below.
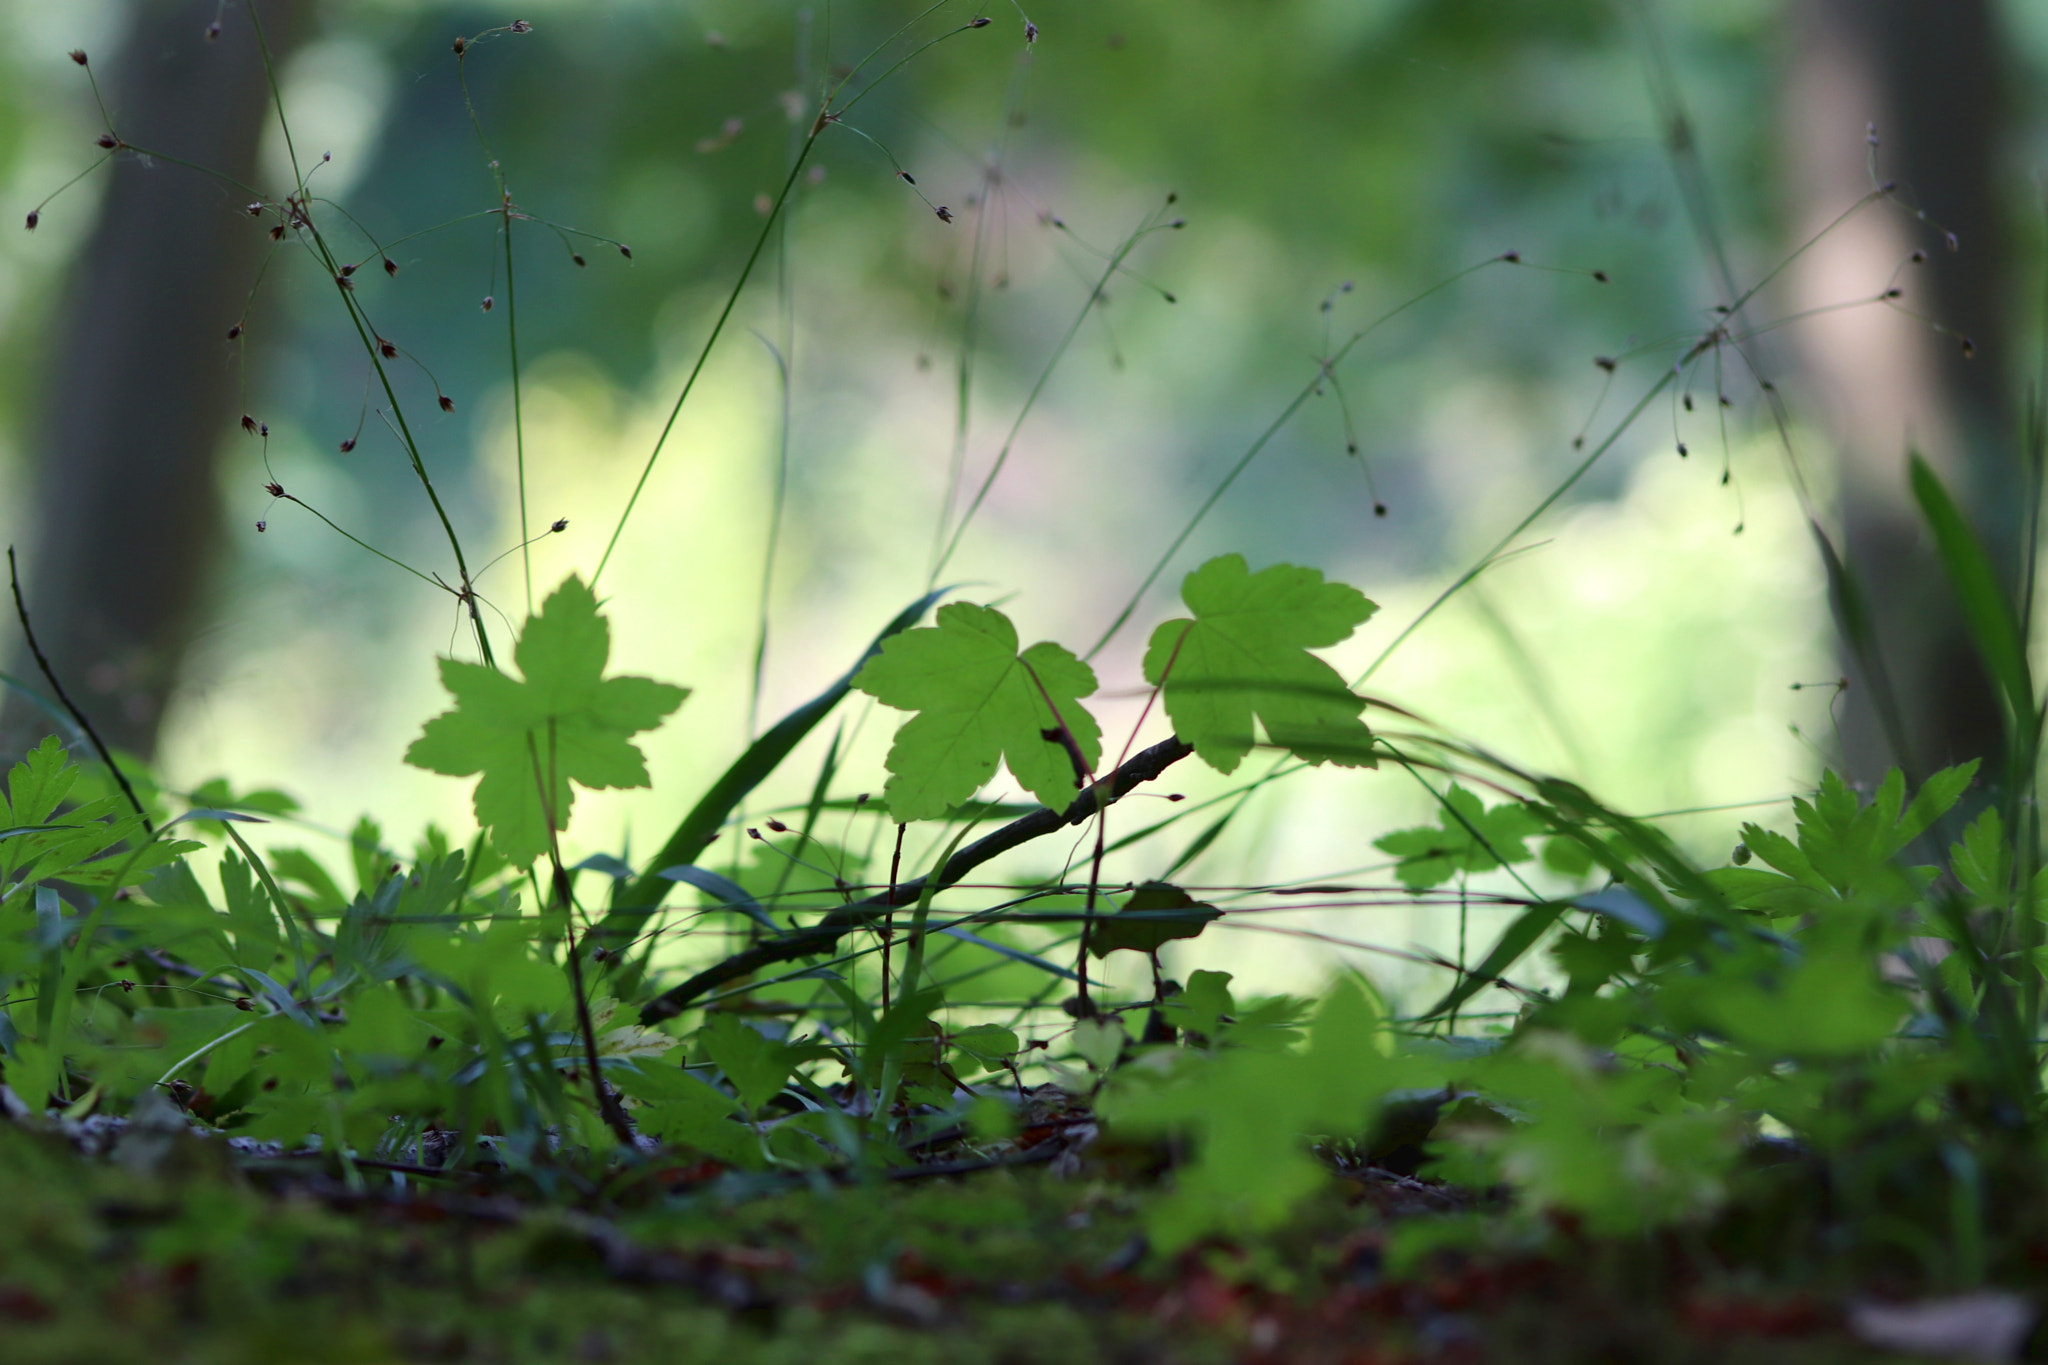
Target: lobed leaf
(1245, 654)
(980, 702)
(528, 740)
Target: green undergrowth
(947, 1065)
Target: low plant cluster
(803, 1084)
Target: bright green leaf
(758, 1066)
(1245, 654)
(1982, 862)
(1467, 838)
(979, 701)
(565, 721)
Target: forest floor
(175, 1249)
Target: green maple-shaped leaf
(565, 721)
(1466, 838)
(1245, 653)
(979, 701)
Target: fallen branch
(823, 937)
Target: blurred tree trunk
(1927, 74)
(143, 384)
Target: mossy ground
(200, 1263)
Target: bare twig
(824, 936)
(64, 698)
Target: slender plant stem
(64, 698)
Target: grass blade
(748, 771)
(1986, 610)
(1519, 938)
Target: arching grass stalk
(1272, 429)
(826, 117)
(511, 318)
(1153, 222)
(318, 245)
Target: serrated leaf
(1202, 1006)
(684, 1110)
(1467, 838)
(565, 722)
(39, 783)
(1245, 655)
(1153, 914)
(989, 1044)
(1982, 862)
(757, 1066)
(979, 702)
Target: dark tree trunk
(1927, 75)
(142, 387)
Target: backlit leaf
(980, 702)
(528, 740)
(1245, 654)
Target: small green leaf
(1245, 654)
(1153, 914)
(757, 1066)
(1203, 1005)
(1567, 857)
(1832, 1005)
(683, 1110)
(530, 739)
(979, 702)
(1100, 1041)
(1467, 838)
(1982, 862)
(989, 1044)
(217, 794)
(38, 784)
(258, 938)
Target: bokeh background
(1332, 159)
